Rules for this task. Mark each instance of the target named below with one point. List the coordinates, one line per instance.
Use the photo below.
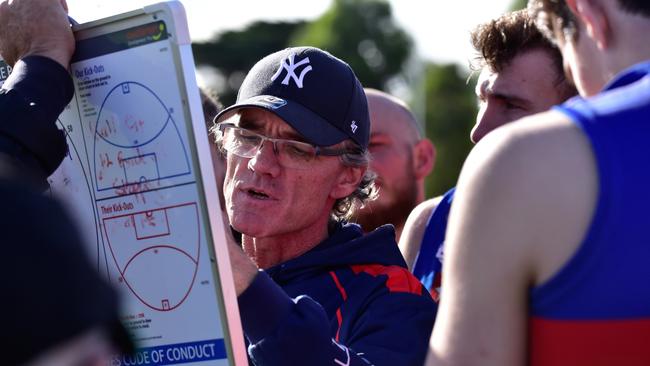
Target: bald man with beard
(401, 158)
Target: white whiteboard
(138, 179)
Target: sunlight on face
(264, 198)
(525, 86)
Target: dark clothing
(29, 107)
(51, 293)
(348, 301)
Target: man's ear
(424, 158)
(594, 17)
(348, 180)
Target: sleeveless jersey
(428, 263)
(596, 309)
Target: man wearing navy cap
(313, 290)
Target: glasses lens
(290, 153)
(295, 154)
(241, 142)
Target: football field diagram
(133, 183)
(162, 244)
(137, 141)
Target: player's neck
(628, 46)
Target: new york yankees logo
(291, 71)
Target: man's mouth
(258, 194)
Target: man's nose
(484, 123)
(265, 160)
(477, 131)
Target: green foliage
(363, 33)
(450, 114)
(233, 53)
(360, 32)
(518, 4)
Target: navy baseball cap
(314, 92)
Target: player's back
(596, 309)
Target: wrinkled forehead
(264, 122)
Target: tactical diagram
(162, 244)
(132, 180)
(137, 142)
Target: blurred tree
(364, 34)
(518, 4)
(450, 114)
(233, 53)
(361, 32)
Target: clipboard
(138, 178)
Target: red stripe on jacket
(399, 278)
(344, 295)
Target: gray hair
(344, 208)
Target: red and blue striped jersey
(596, 309)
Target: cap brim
(309, 125)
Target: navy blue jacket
(348, 301)
(30, 107)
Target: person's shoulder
(414, 228)
(418, 218)
(546, 141)
(540, 175)
(530, 161)
(425, 208)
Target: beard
(393, 205)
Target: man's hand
(35, 27)
(243, 268)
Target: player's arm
(414, 228)
(515, 221)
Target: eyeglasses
(290, 153)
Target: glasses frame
(319, 150)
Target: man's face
(264, 198)
(391, 148)
(525, 86)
